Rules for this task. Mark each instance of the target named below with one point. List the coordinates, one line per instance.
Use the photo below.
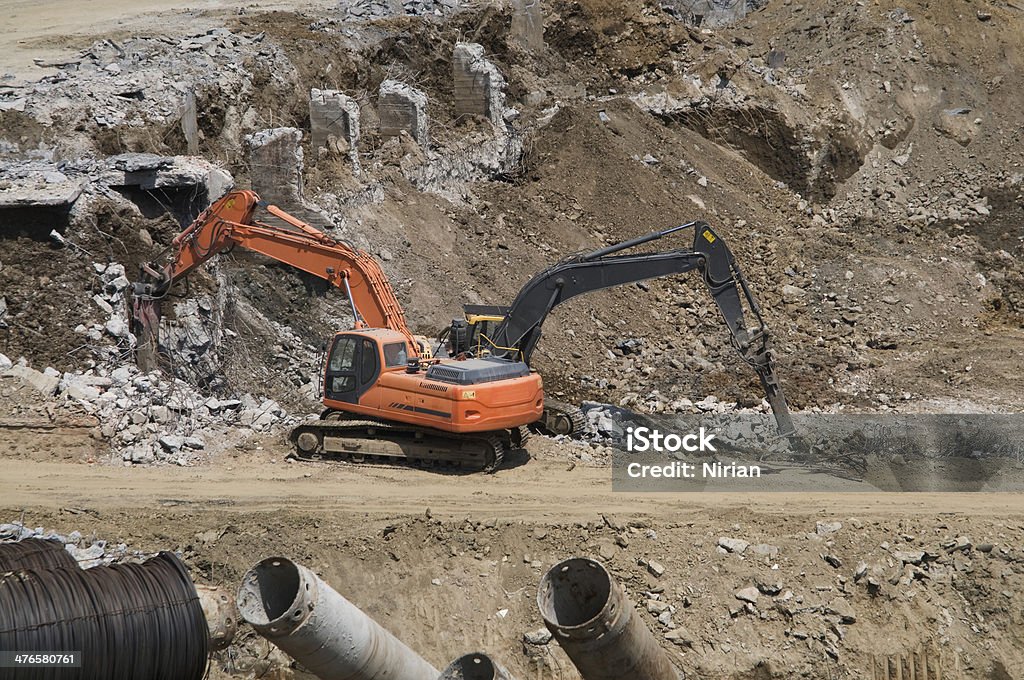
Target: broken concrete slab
(45, 383)
(34, 193)
(150, 171)
(402, 107)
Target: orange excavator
(388, 394)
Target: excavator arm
(517, 335)
(229, 223)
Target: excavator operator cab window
(352, 367)
(395, 354)
(341, 367)
(368, 363)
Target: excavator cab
(356, 359)
(473, 335)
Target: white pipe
(291, 607)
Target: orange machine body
(373, 380)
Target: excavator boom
(517, 335)
(229, 222)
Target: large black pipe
(125, 621)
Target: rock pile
(369, 10)
(149, 418)
(87, 552)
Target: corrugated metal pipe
(124, 620)
(589, 615)
(291, 607)
(475, 666)
(34, 553)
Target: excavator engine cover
(476, 371)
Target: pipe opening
(471, 667)
(269, 591)
(574, 592)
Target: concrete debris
(733, 545)
(370, 10)
(748, 594)
(826, 528)
(541, 636)
(45, 383)
(843, 609)
(88, 553)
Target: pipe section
(475, 666)
(221, 615)
(588, 614)
(125, 621)
(291, 607)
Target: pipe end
(577, 597)
(275, 596)
(475, 666)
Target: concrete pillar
(402, 107)
(479, 86)
(190, 123)
(275, 170)
(528, 24)
(332, 113)
(275, 165)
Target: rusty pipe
(588, 614)
(221, 615)
(291, 607)
(475, 666)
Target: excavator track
(561, 418)
(369, 440)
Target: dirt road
(541, 489)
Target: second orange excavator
(389, 394)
